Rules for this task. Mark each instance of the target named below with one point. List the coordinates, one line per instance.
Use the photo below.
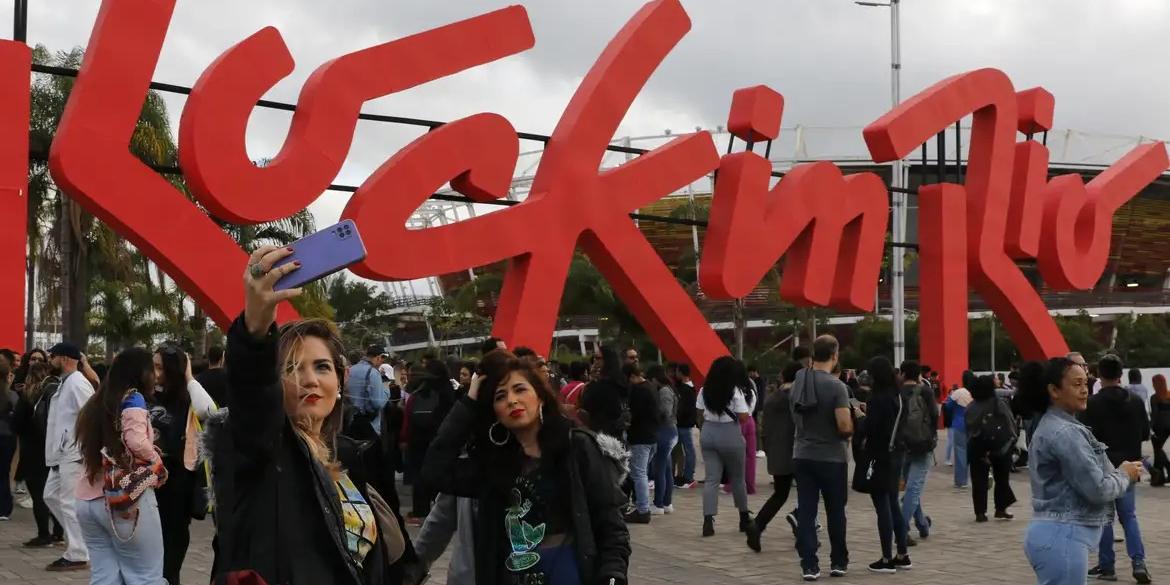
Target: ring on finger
(257, 270)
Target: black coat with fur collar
(594, 467)
(277, 510)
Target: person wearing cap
(61, 453)
(366, 394)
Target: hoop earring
(492, 438)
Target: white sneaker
(656, 511)
(669, 509)
(760, 454)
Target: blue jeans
(1127, 515)
(814, 480)
(1059, 552)
(663, 481)
(914, 472)
(686, 436)
(121, 552)
(960, 446)
(639, 467)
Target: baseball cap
(66, 349)
(377, 350)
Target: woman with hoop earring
(550, 499)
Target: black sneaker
(1103, 574)
(902, 563)
(811, 573)
(981, 517)
(38, 542)
(753, 537)
(1003, 515)
(883, 566)
(1140, 573)
(924, 532)
(637, 517)
(63, 565)
(791, 519)
(838, 571)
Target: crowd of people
(534, 471)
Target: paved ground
(670, 550)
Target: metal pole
(992, 317)
(898, 284)
(20, 21)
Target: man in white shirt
(62, 455)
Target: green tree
(360, 311)
(1080, 334)
(1143, 341)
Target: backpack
(424, 410)
(918, 434)
(994, 430)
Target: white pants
(61, 497)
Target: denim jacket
(1072, 479)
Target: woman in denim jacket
(1073, 483)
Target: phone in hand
(322, 254)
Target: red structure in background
(829, 226)
(15, 60)
(1076, 221)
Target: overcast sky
(1107, 62)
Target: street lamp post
(898, 198)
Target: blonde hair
(322, 446)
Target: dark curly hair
(503, 462)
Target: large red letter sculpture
(830, 226)
(15, 59)
(212, 147)
(569, 200)
(91, 160)
(1076, 216)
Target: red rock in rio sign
(830, 227)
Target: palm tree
(80, 253)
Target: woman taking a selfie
(292, 501)
(113, 431)
(549, 494)
(1073, 483)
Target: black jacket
(881, 423)
(645, 418)
(593, 469)
(688, 415)
(277, 509)
(605, 404)
(1118, 419)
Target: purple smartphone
(322, 254)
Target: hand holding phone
(321, 254)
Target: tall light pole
(898, 198)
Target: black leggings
(781, 487)
(34, 480)
(174, 510)
(1160, 460)
(891, 523)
